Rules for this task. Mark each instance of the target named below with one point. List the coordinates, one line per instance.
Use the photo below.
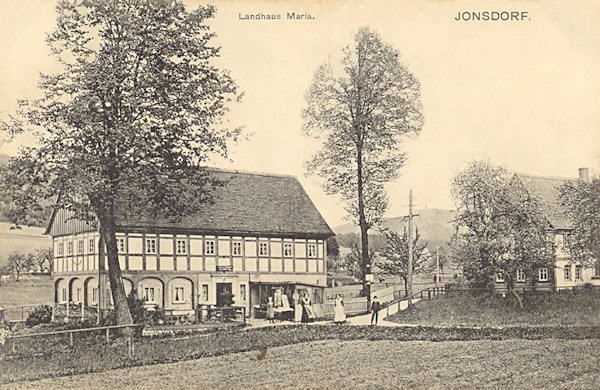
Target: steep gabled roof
(547, 191)
(253, 203)
(248, 203)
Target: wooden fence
(70, 332)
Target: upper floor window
(181, 247)
(567, 272)
(121, 245)
(288, 250)
(578, 273)
(236, 248)
(150, 245)
(520, 275)
(91, 245)
(209, 247)
(70, 248)
(61, 249)
(312, 251)
(543, 274)
(263, 249)
(80, 247)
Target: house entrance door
(224, 291)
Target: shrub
(39, 315)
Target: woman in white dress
(339, 316)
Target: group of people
(304, 311)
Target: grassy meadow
(565, 308)
(29, 291)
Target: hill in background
(435, 225)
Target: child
(271, 311)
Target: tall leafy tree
(395, 255)
(581, 199)
(500, 227)
(362, 110)
(127, 124)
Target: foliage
(333, 249)
(500, 226)
(582, 202)
(125, 126)
(18, 263)
(39, 315)
(363, 111)
(396, 255)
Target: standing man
(375, 307)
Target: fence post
(14, 350)
(71, 338)
(22, 313)
(107, 335)
(428, 295)
(130, 345)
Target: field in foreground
(566, 308)
(548, 363)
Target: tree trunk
(108, 233)
(364, 229)
(511, 289)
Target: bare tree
(18, 263)
(395, 254)
(363, 111)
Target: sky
(523, 94)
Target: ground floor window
(578, 275)
(567, 272)
(597, 272)
(178, 295)
(243, 292)
(64, 294)
(94, 295)
(520, 275)
(205, 292)
(149, 294)
(543, 274)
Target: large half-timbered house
(261, 232)
(566, 273)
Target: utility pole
(410, 247)
(437, 262)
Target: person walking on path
(375, 307)
(339, 313)
(271, 311)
